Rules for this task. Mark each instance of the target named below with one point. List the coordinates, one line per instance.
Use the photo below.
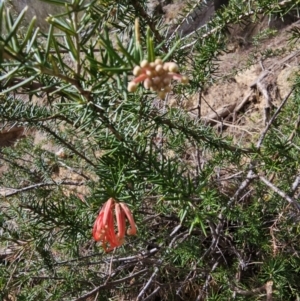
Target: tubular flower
(104, 226)
(156, 76)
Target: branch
(219, 113)
(38, 185)
(68, 145)
(109, 284)
(152, 294)
(134, 258)
(147, 285)
(208, 278)
(263, 134)
(295, 185)
(243, 185)
(266, 287)
(280, 192)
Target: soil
(239, 69)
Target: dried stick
(263, 134)
(206, 284)
(175, 230)
(261, 86)
(243, 185)
(178, 291)
(184, 19)
(243, 102)
(38, 185)
(219, 113)
(266, 287)
(268, 102)
(67, 145)
(109, 284)
(80, 173)
(152, 294)
(142, 292)
(136, 257)
(295, 186)
(280, 192)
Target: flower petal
(98, 227)
(110, 231)
(132, 230)
(121, 223)
(107, 208)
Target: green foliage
(215, 219)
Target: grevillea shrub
(116, 189)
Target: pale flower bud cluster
(156, 76)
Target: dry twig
(280, 192)
(3, 191)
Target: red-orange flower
(104, 226)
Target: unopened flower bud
(159, 69)
(132, 87)
(166, 67)
(144, 63)
(158, 61)
(147, 83)
(137, 70)
(149, 73)
(156, 80)
(152, 65)
(172, 67)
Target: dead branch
(187, 279)
(280, 192)
(244, 185)
(264, 133)
(295, 185)
(274, 67)
(262, 88)
(244, 101)
(3, 191)
(142, 292)
(152, 294)
(226, 110)
(208, 278)
(265, 78)
(134, 258)
(266, 287)
(219, 113)
(109, 284)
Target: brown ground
(236, 82)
